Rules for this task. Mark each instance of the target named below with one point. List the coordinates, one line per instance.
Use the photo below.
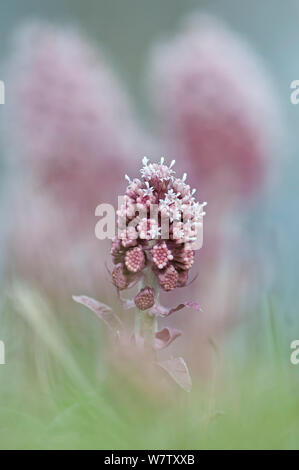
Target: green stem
(145, 324)
(149, 329)
(137, 324)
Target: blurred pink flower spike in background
(217, 109)
(71, 134)
(73, 119)
(219, 117)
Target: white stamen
(172, 163)
(162, 160)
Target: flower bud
(169, 278)
(119, 279)
(135, 259)
(145, 298)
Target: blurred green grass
(57, 393)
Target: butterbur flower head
(217, 107)
(172, 200)
(128, 237)
(154, 262)
(119, 278)
(161, 255)
(135, 259)
(169, 278)
(145, 299)
(157, 175)
(116, 247)
(183, 257)
(148, 229)
(182, 279)
(133, 187)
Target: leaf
(161, 311)
(162, 339)
(178, 371)
(127, 304)
(165, 337)
(101, 310)
(193, 306)
(158, 310)
(190, 282)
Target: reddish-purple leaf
(178, 371)
(101, 310)
(193, 306)
(161, 311)
(192, 280)
(164, 337)
(158, 310)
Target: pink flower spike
(101, 310)
(175, 204)
(164, 337)
(226, 132)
